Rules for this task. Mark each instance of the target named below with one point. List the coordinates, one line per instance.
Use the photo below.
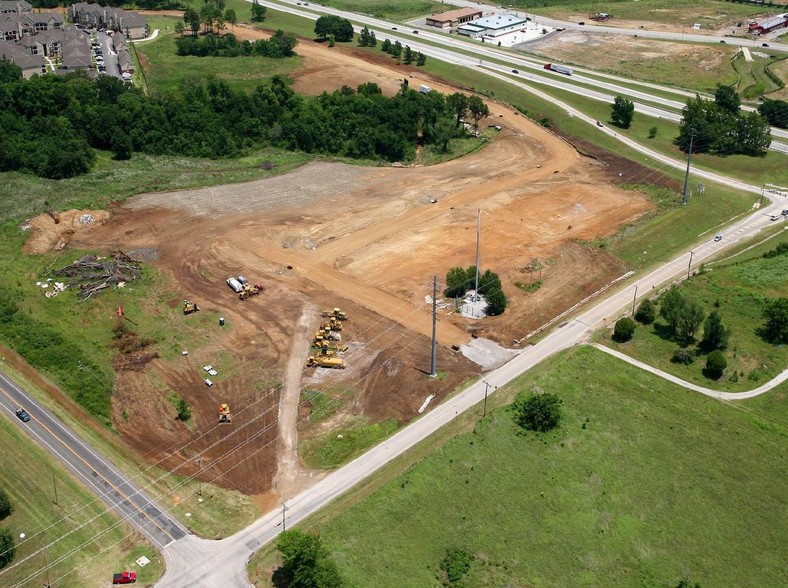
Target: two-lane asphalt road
(90, 467)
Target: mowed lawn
(78, 537)
(643, 484)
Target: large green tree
(716, 365)
(458, 103)
(775, 316)
(623, 109)
(330, 24)
(726, 98)
(715, 335)
(776, 112)
(306, 563)
(478, 109)
(258, 11)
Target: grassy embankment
(643, 484)
(737, 289)
(753, 80)
(390, 9)
(76, 534)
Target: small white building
(497, 25)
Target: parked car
(124, 578)
(22, 415)
(785, 212)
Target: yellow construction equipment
(327, 335)
(322, 343)
(224, 413)
(325, 361)
(331, 325)
(336, 313)
(250, 290)
(189, 307)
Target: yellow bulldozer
(224, 413)
(325, 361)
(336, 313)
(189, 307)
(325, 345)
(327, 335)
(331, 325)
(250, 290)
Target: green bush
(537, 412)
(624, 330)
(682, 356)
(6, 508)
(646, 312)
(184, 412)
(715, 365)
(7, 548)
(455, 566)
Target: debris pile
(93, 274)
(85, 219)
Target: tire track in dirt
(285, 481)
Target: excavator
(336, 313)
(331, 325)
(189, 307)
(224, 413)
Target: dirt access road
(368, 239)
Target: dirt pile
(53, 231)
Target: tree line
(7, 548)
(278, 46)
(403, 54)
(51, 124)
(719, 127)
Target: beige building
(453, 18)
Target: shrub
(184, 412)
(537, 412)
(7, 549)
(682, 356)
(624, 330)
(455, 566)
(646, 312)
(6, 508)
(715, 365)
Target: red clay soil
(368, 240)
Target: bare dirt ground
(673, 63)
(368, 240)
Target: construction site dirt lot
(366, 239)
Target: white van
(234, 284)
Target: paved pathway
(779, 379)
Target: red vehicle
(124, 578)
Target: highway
(195, 562)
(90, 467)
(456, 51)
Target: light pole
(634, 298)
(284, 517)
(689, 265)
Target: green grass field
(391, 9)
(643, 484)
(165, 70)
(736, 289)
(339, 446)
(77, 535)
